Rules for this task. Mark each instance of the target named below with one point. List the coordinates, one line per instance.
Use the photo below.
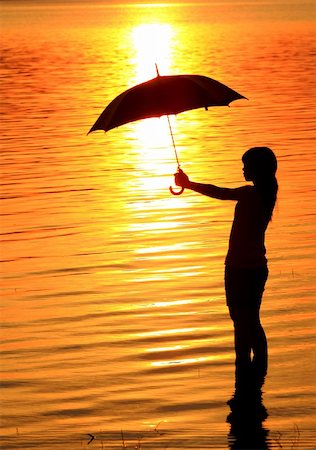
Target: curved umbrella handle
(176, 192)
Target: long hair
(263, 165)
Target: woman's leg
(260, 349)
(243, 346)
(250, 347)
(244, 289)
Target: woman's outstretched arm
(210, 190)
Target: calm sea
(114, 321)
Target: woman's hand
(181, 179)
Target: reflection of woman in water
(246, 269)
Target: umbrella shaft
(173, 142)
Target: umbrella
(165, 95)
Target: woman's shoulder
(246, 191)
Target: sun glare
(153, 47)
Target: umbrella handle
(176, 192)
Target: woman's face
(247, 173)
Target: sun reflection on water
(178, 362)
(153, 44)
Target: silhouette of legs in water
(244, 289)
(248, 412)
(250, 347)
(246, 422)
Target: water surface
(113, 308)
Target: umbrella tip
(158, 74)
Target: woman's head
(260, 163)
(260, 166)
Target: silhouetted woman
(246, 268)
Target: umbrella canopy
(164, 95)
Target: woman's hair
(262, 164)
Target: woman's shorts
(244, 286)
